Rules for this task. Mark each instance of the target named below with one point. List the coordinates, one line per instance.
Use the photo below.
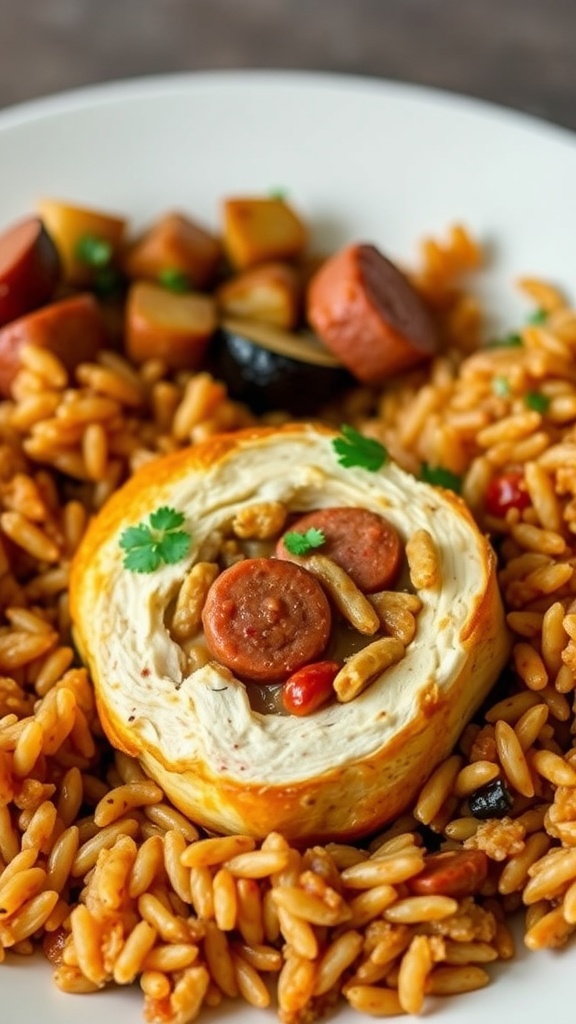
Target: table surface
(519, 53)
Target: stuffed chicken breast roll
(286, 629)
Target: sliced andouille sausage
(366, 545)
(29, 268)
(456, 873)
(73, 329)
(367, 312)
(265, 618)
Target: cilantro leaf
(300, 543)
(94, 251)
(354, 449)
(440, 477)
(135, 537)
(537, 401)
(148, 545)
(143, 559)
(174, 546)
(166, 518)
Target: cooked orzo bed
(115, 884)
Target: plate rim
(113, 91)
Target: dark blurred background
(520, 53)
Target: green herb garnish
(441, 477)
(508, 341)
(278, 193)
(539, 316)
(501, 387)
(536, 401)
(94, 251)
(147, 545)
(107, 282)
(175, 280)
(353, 449)
(302, 543)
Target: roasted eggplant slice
(269, 368)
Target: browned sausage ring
(369, 314)
(73, 329)
(456, 873)
(264, 618)
(366, 545)
(29, 268)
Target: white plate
(361, 160)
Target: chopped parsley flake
(148, 545)
(302, 543)
(175, 280)
(501, 387)
(441, 477)
(106, 282)
(94, 251)
(536, 401)
(508, 341)
(354, 449)
(539, 316)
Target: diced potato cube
(269, 292)
(87, 240)
(163, 325)
(261, 229)
(175, 247)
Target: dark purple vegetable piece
(271, 369)
(493, 800)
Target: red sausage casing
(73, 329)
(29, 268)
(362, 543)
(456, 873)
(367, 312)
(264, 618)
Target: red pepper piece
(310, 687)
(456, 873)
(508, 490)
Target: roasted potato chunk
(162, 325)
(269, 293)
(257, 230)
(175, 251)
(87, 240)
